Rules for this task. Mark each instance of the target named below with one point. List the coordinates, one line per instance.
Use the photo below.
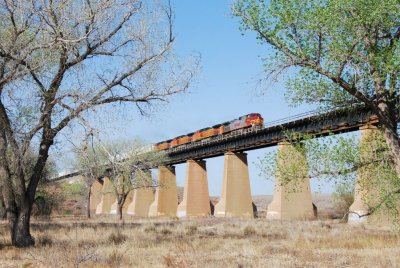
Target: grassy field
(211, 242)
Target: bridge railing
(297, 117)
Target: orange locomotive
(254, 119)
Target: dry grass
(208, 242)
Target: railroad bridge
(245, 139)
(236, 197)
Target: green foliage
(308, 87)
(334, 43)
(336, 156)
(291, 168)
(76, 189)
(378, 164)
(332, 157)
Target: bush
(343, 197)
(117, 238)
(44, 240)
(249, 230)
(45, 203)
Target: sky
(226, 88)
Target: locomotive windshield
(252, 115)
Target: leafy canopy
(342, 44)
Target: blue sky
(225, 89)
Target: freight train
(249, 120)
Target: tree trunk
(88, 203)
(20, 232)
(393, 142)
(120, 206)
(3, 213)
(121, 198)
(388, 117)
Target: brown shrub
(249, 230)
(190, 230)
(115, 258)
(44, 240)
(117, 238)
(165, 231)
(171, 261)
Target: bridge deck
(339, 121)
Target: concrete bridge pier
(141, 202)
(166, 197)
(292, 193)
(196, 199)
(359, 206)
(143, 195)
(95, 196)
(371, 181)
(114, 206)
(236, 198)
(108, 197)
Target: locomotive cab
(254, 119)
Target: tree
(332, 158)
(61, 62)
(126, 164)
(344, 52)
(340, 159)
